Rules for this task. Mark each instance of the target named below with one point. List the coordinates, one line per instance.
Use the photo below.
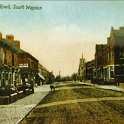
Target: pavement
(15, 112)
(109, 87)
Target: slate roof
(6, 44)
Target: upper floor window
(121, 53)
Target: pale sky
(58, 33)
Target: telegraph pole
(59, 73)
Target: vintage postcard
(61, 62)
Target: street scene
(61, 62)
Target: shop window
(119, 70)
(112, 74)
(112, 71)
(6, 76)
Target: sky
(61, 31)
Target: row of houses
(19, 70)
(108, 63)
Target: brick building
(90, 65)
(100, 61)
(109, 58)
(28, 68)
(43, 73)
(115, 44)
(18, 70)
(8, 66)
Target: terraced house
(18, 70)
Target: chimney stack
(0, 36)
(16, 44)
(10, 37)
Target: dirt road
(78, 104)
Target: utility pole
(59, 73)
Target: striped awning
(41, 76)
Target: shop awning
(41, 76)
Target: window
(112, 71)
(121, 54)
(119, 70)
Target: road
(78, 104)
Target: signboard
(23, 65)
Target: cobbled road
(74, 103)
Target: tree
(74, 76)
(58, 78)
(50, 78)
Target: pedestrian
(52, 87)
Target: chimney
(10, 37)
(0, 36)
(16, 43)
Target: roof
(42, 67)
(6, 44)
(22, 52)
(119, 32)
(100, 47)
